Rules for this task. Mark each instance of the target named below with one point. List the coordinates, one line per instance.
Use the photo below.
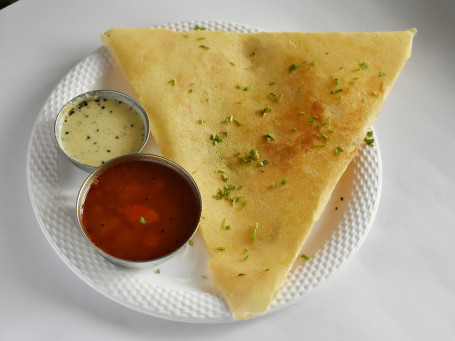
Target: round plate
(182, 290)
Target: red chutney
(140, 210)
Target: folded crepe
(266, 123)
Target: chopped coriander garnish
(190, 91)
(221, 248)
(363, 65)
(204, 277)
(228, 119)
(320, 145)
(263, 163)
(283, 181)
(267, 109)
(293, 67)
(238, 123)
(253, 155)
(226, 227)
(216, 138)
(245, 250)
(381, 74)
(201, 38)
(294, 128)
(354, 70)
(190, 242)
(275, 97)
(173, 82)
(241, 274)
(270, 137)
(253, 53)
(338, 150)
(336, 91)
(304, 256)
(241, 101)
(255, 231)
(142, 220)
(158, 271)
(200, 28)
(268, 269)
(272, 83)
(202, 121)
(247, 256)
(374, 93)
(301, 112)
(232, 63)
(322, 136)
(273, 185)
(312, 118)
(369, 139)
(336, 81)
(247, 88)
(205, 47)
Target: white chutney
(99, 129)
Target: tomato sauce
(140, 210)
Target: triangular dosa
(267, 123)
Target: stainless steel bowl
(111, 94)
(124, 159)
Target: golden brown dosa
(266, 123)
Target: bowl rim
(85, 188)
(93, 94)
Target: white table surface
(399, 286)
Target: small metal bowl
(125, 159)
(91, 95)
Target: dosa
(266, 123)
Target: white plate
(180, 292)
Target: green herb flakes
(381, 74)
(253, 155)
(158, 271)
(205, 47)
(173, 81)
(267, 109)
(241, 274)
(270, 137)
(190, 242)
(338, 150)
(216, 139)
(221, 248)
(246, 258)
(333, 92)
(304, 256)
(238, 123)
(232, 63)
(228, 119)
(283, 181)
(224, 226)
(201, 38)
(204, 277)
(336, 81)
(255, 231)
(142, 220)
(272, 83)
(323, 137)
(369, 139)
(293, 67)
(363, 65)
(199, 28)
(276, 98)
(263, 163)
(202, 121)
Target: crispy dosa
(266, 123)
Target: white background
(399, 286)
